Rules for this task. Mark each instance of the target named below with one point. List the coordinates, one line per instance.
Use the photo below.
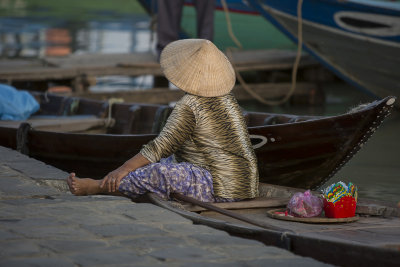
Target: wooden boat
(298, 151)
(369, 239)
(359, 40)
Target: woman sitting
(204, 150)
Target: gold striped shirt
(210, 132)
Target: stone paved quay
(42, 224)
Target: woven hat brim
(198, 67)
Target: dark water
(33, 29)
(375, 169)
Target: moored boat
(359, 40)
(298, 151)
(370, 238)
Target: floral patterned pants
(166, 177)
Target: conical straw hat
(198, 67)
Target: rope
(286, 240)
(22, 138)
(110, 121)
(73, 107)
(299, 43)
(295, 66)
(229, 24)
(46, 98)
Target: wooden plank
(248, 60)
(18, 63)
(165, 95)
(46, 73)
(72, 125)
(273, 59)
(152, 96)
(104, 60)
(59, 124)
(377, 209)
(133, 64)
(78, 65)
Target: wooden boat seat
(51, 104)
(140, 119)
(76, 123)
(160, 118)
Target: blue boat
(359, 40)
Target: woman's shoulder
(186, 100)
(195, 103)
(192, 100)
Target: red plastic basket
(344, 208)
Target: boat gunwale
(309, 118)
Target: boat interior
(80, 115)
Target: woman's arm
(179, 127)
(113, 179)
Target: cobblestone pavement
(41, 224)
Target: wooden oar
(227, 212)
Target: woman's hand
(113, 179)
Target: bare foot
(83, 186)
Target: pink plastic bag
(305, 205)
